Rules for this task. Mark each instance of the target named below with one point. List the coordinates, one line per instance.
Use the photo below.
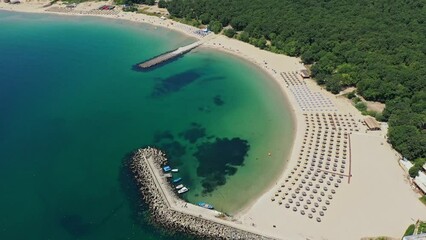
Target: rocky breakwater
(161, 208)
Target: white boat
(183, 190)
(179, 186)
(175, 170)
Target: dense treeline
(377, 46)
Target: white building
(420, 181)
(415, 237)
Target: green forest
(378, 46)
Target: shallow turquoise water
(72, 109)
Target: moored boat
(166, 168)
(205, 205)
(183, 190)
(175, 170)
(179, 186)
(176, 180)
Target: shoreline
(288, 106)
(391, 204)
(212, 43)
(87, 6)
(173, 213)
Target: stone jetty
(144, 163)
(168, 56)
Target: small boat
(166, 168)
(179, 186)
(183, 190)
(176, 180)
(175, 170)
(205, 205)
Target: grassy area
(362, 107)
(421, 228)
(144, 11)
(423, 199)
(191, 22)
(410, 230)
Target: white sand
(378, 200)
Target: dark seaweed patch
(194, 133)
(219, 159)
(174, 83)
(218, 100)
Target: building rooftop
(415, 237)
(407, 164)
(305, 73)
(420, 181)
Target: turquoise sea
(72, 109)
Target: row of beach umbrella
(321, 167)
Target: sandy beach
(341, 182)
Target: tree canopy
(377, 46)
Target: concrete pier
(173, 213)
(168, 56)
